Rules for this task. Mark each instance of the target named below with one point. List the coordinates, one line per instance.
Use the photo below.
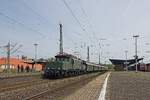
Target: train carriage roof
(92, 64)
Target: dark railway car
(145, 67)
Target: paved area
(90, 91)
(128, 86)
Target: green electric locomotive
(68, 65)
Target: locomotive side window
(72, 61)
(67, 59)
(59, 59)
(62, 59)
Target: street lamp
(136, 57)
(35, 58)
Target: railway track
(3, 76)
(21, 85)
(9, 84)
(42, 94)
(17, 79)
(42, 89)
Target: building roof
(123, 62)
(38, 61)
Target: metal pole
(88, 54)
(99, 54)
(8, 57)
(99, 59)
(136, 52)
(18, 57)
(126, 60)
(61, 40)
(136, 57)
(100, 47)
(35, 55)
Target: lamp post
(100, 49)
(126, 60)
(35, 57)
(136, 57)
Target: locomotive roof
(66, 55)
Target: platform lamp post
(136, 57)
(126, 53)
(101, 48)
(35, 56)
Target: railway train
(68, 65)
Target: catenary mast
(61, 39)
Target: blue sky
(37, 21)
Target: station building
(15, 62)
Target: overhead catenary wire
(15, 50)
(21, 24)
(78, 21)
(14, 20)
(88, 21)
(42, 18)
(73, 15)
(31, 9)
(91, 26)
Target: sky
(106, 26)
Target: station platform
(90, 91)
(128, 86)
